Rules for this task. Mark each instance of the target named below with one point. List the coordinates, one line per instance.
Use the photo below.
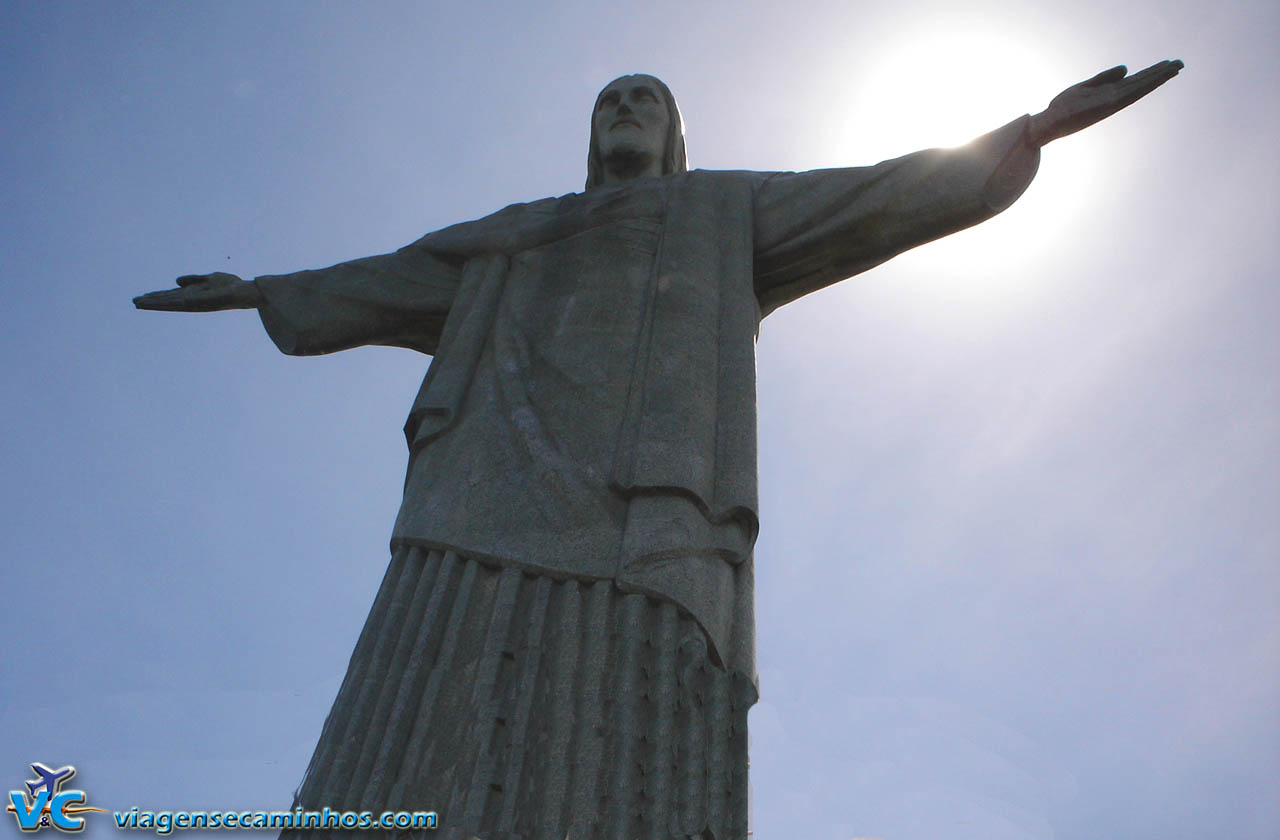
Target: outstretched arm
(399, 299)
(816, 228)
(1095, 99)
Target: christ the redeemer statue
(563, 645)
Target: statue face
(631, 119)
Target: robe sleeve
(399, 299)
(816, 228)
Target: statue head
(635, 115)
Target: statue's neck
(621, 168)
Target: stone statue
(563, 645)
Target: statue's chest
(578, 304)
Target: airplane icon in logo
(50, 780)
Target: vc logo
(47, 803)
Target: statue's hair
(674, 158)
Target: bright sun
(946, 86)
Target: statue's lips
(624, 122)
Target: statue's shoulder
(518, 225)
(718, 185)
(578, 201)
(729, 174)
(728, 179)
(539, 207)
(506, 217)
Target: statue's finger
(1158, 73)
(1168, 67)
(1170, 70)
(1161, 68)
(188, 279)
(1143, 82)
(151, 300)
(1114, 74)
(170, 300)
(1166, 70)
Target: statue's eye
(608, 101)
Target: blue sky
(1019, 568)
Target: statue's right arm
(203, 293)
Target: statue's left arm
(399, 299)
(816, 228)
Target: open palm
(1095, 99)
(202, 293)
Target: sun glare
(946, 86)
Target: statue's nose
(623, 109)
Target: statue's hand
(1082, 105)
(203, 293)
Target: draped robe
(590, 409)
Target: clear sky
(1019, 568)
